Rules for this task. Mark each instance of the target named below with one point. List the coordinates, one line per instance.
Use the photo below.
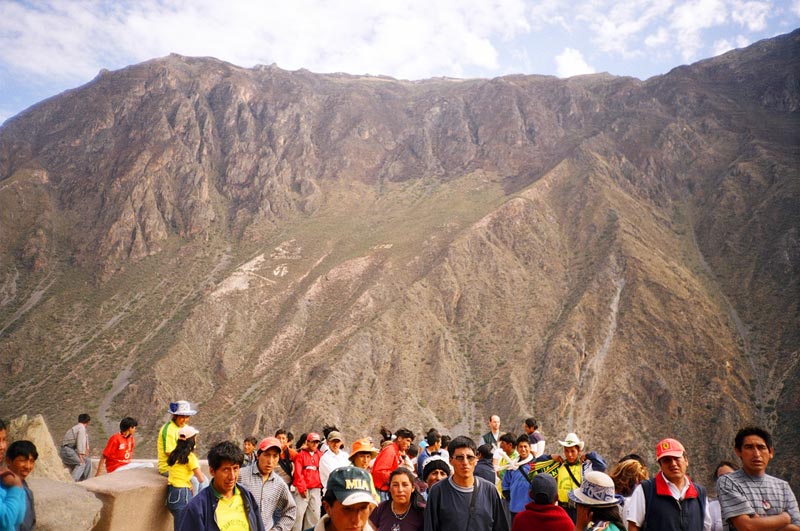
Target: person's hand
(10, 479)
(303, 494)
(558, 459)
(583, 458)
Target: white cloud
(691, 18)
(660, 38)
(725, 45)
(796, 7)
(404, 38)
(751, 14)
(570, 63)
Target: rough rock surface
(616, 257)
(132, 499)
(34, 429)
(64, 506)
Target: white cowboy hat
(182, 408)
(572, 440)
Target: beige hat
(572, 440)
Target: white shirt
(330, 462)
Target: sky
(48, 46)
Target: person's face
(181, 420)
(267, 460)
(508, 448)
(674, 468)
(21, 465)
(571, 454)
(283, 439)
(347, 517)
(755, 455)
(435, 477)
(524, 450)
(312, 445)
(463, 462)
(401, 488)
(249, 447)
(494, 423)
(527, 428)
(3, 444)
(130, 431)
(334, 445)
(362, 459)
(225, 477)
(403, 443)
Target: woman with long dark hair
(405, 508)
(183, 464)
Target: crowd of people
(504, 483)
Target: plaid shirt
(272, 495)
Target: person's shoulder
(485, 485)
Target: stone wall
(127, 500)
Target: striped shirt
(741, 494)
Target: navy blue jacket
(200, 513)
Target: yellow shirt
(180, 475)
(167, 441)
(230, 513)
(565, 483)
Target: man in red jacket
(389, 458)
(308, 484)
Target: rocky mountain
(616, 257)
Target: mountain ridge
(613, 256)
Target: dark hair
(509, 438)
(752, 430)
(279, 432)
(607, 514)
(413, 450)
(386, 434)
(21, 448)
(485, 451)
(522, 439)
(635, 457)
(433, 437)
(326, 430)
(329, 497)
(224, 451)
(301, 441)
(289, 436)
(404, 433)
(461, 441)
(531, 423)
(715, 475)
(182, 450)
(417, 501)
(2, 425)
(83, 418)
(127, 423)
(252, 440)
(446, 441)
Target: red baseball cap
(269, 442)
(313, 436)
(669, 448)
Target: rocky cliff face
(615, 257)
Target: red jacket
(542, 518)
(388, 459)
(306, 470)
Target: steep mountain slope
(616, 257)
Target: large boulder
(34, 429)
(132, 500)
(64, 506)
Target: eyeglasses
(462, 458)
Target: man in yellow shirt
(223, 505)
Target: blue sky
(47, 46)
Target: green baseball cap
(351, 485)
